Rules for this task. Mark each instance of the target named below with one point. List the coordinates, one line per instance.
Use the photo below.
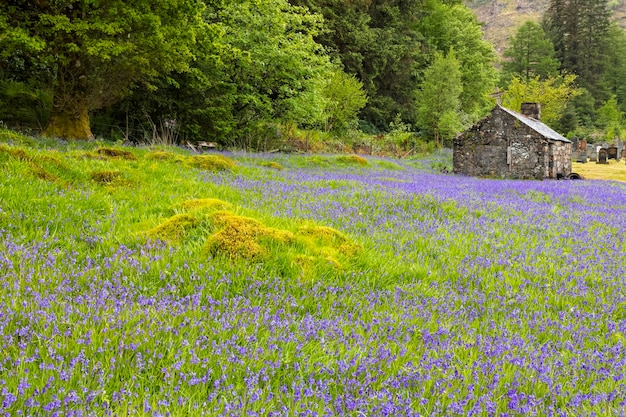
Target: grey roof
(537, 126)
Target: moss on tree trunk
(69, 124)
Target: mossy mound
(244, 237)
(352, 160)
(44, 167)
(174, 228)
(272, 165)
(211, 162)
(116, 153)
(164, 156)
(329, 241)
(15, 153)
(106, 177)
(308, 253)
(204, 203)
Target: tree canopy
(530, 54)
(97, 51)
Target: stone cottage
(507, 144)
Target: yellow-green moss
(164, 156)
(323, 234)
(105, 177)
(211, 162)
(244, 237)
(116, 153)
(201, 203)
(273, 165)
(174, 228)
(352, 159)
(15, 153)
(328, 241)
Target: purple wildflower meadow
(475, 297)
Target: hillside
(501, 18)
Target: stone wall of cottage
(500, 146)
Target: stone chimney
(532, 110)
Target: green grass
(147, 281)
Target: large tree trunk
(69, 118)
(69, 124)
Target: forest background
(386, 75)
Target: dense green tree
(579, 31)
(99, 51)
(439, 98)
(453, 26)
(275, 66)
(611, 119)
(615, 70)
(344, 97)
(553, 93)
(530, 54)
(244, 83)
(377, 42)
(388, 44)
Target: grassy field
(155, 282)
(613, 171)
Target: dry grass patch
(106, 177)
(612, 171)
(15, 153)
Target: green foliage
(611, 119)
(579, 31)
(275, 66)
(439, 98)
(615, 72)
(553, 94)
(99, 52)
(530, 54)
(23, 106)
(344, 99)
(454, 27)
(400, 134)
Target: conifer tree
(531, 54)
(579, 29)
